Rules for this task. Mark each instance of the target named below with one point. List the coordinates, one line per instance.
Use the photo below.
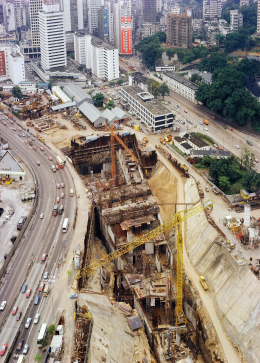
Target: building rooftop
(179, 139)
(8, 162)
(197, 141)
(139, 76)
(252, 86)
(77, 94)
(186, 146)
(182, 80)
(120, 113)
(63, 105)
(211, 152)
(109, 115)
(99, 43)
(252, 57)
(90, 111)
(207, 76)
(153, 106)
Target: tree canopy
(249, 67)
(213, 62)
(16, 91)
(98, 99)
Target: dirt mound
(164, 187)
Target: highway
(42, 236)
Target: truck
(203, 283)
(21, 223)
(205, 122)
(161, 140)
(249, 142)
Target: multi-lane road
(42, 236)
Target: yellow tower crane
(175, 220)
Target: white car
(46, 275)
(25, 349)
(237, 146)
(36, 319)
(206, 129)
(41, 216)
(3, 305)
(28, 322)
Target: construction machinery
(113, 159)
(175, 220)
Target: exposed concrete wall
(236, 290)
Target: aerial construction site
(147, 225)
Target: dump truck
(145, 139)
(161, 140)
(205, 122)
(203, 283)
(168, 138)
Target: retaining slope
(235, 289)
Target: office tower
(34, 7)
(73, 14)
(158, 6)
(52, 36)
(179, 30)
(236, 19)
(103, 23)
(123, 28)
(93, 8)
(149, 11)
(110, 9)
(212, 9)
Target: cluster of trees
(188, 55)
(98, 99)
(240, 39)
(17, 92)
(213, 62)
(227, 96)
(250, 68)
(229, 175)
(151, 49)
(249, 13)
(157, 89)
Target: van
(205, 122)
(71, 192)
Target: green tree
(246, 158)
(50, 84)
(164, 89)
(120, 81)
(80, 68)
(252, 160)
(38, 357)
(224, 183)
(251, 180)
(69, 273)
(16, 91)
(71, 55)
(110, 104)
(111, 83)
(98, 99)
(220, 38)
(51, 329)
(196, 78)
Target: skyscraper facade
(179, 30)
(149, 11)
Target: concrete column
(91, 174)
(102, 174)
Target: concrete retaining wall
(235, 288)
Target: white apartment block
(9, 15)
(149, 29)
(175, 9)
(224, 27)
(181, 86)
(52, 37)
(102, 58)
(151, 112)
(11, 63)
(236, 19)
(34, 7)
(93, 8)
(212, 9)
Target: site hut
(77, 94)
(94, 116)
(151, 112)
(10, 168)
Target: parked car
(44, 256)
(62, 185)
(73, 296)
(58, 186)
(237, 146)
(230, 128)
(50, 158)
(38, 163)
(46, 275)
(41, 148)
(214, 118)
(41, 216)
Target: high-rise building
(93, 8)
(110, 9)
(123, 28)
(52, 36)
(103, 23)
(34, 7)
(244, 2)
(158, 6)
(179, 30)
(236, 19)
(212, 9)
(73, 14)
(11, 63)
(149, 11)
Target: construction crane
(175, 220)
(113, 159)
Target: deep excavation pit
(142, 281)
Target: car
(50, 158)
(37, 299)
(19, 128)
(33, 139)
(3, 305)
(41, 216)
(201, 123)
(3, 349)
(57, 167)
(44, 256)
(28, 135)
(20, 344)
(219, 147)
(41, 288)
(206, 129)
(28, 292)
(177, 106)
(185, 111)
(11, 122)
(41, 148)
(14, 129)
(5, 123)
(25, 349)
(46, 275)
(34, 148)
(24, 288)
(214, 118)
(36, 319)
(215, 145)
(62, 185)
(58, 186)
(62, 195)
(18, 316)
(230, 128)
(225, 127)
(23, 135)
(19, 135)
(256, 160)
(38, 163)
(58, 199)
(28, 322)
(14, 311)
(73, 296)
(237, 146)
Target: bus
(42, 335)
(46, 290)
(65, 225)
(60, 162)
